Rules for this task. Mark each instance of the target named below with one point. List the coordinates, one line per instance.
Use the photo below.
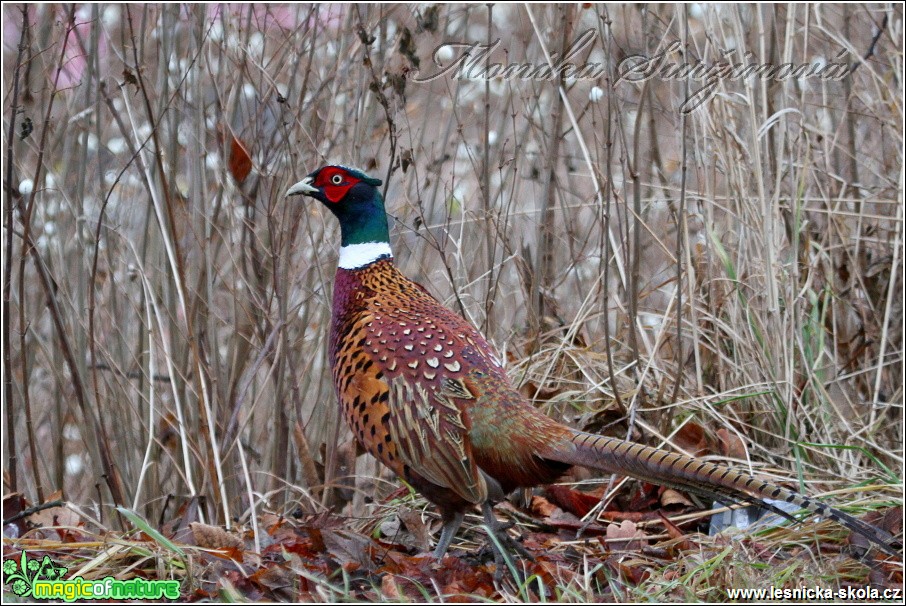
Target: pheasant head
(354, 199)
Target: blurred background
(725, 281)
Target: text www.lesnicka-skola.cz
(854, 594)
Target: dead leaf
(624, 537)
(13, 504)
(693, 439)
(634, 575)
(554, 574)
(55, 517)
(297, 550)
(646, 498)
(415, 525)
(533, 391)
(179, 529)
(676, 533)
(240, 163)
(348, 547)
(891, 521)
(731, 445)
(542, 507)
(558, 519)
(672, 575)
(390, 589)
(168, 431)
(273, 524)
(573, 501)
(275, 578)
(632, 516)
(674, 498)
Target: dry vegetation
(732, 274)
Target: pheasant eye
(336, 179)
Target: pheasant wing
(431, 433)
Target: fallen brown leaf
(693, 439)
(60, 515)
(674, 498)
(625, 536)
(390, 589)
(634, 575)
(542, 507)
(415, 525)
(676, 532)
(348, 547)
(573, 501)
(731, 445)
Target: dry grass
(739, 266)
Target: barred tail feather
(708, 479)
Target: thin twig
(7, 284)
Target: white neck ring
(355, 256)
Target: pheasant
(425, 394)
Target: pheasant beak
(303, 187)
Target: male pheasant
(425, 394)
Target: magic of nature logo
(42, 579)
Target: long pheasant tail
(708, 479)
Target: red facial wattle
(335, 184)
